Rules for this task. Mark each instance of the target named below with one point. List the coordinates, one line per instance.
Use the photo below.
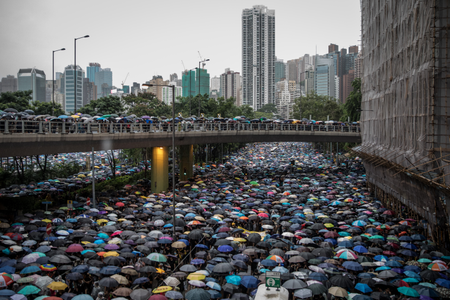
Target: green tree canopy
(45, 108)
(146, 104)
(352, 106)
(269, 108)
(104, 105)
(19, 100)
(318, 107)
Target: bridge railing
(40, 127)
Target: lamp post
(173, 146)
(75, 69)
(53, 76)
(199, 71)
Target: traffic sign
(48, 230)
(69, 204)
(88, 201)
(273, 279)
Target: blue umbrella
(360, 249)
(214, 294)
(80, 269)
(140, 280)
(352, 265)
(30, 269)
(269, 263)
(110, 270)
(6, 293)
(362, 287)
(83, 297)
(393, 264)
(317, 276)
(249, 282)
(225, 248)
(214, 285)
(233, 279)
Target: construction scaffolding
(406, 101)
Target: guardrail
(40, 127)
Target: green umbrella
(407, 291)
(317, 288)
(25, 280)
(157, 257)
(106, 116)
(198, 294)
(29, 290)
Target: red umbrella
(74, 248)
(15, 236)
(224, 229)
(402, 283)
(388, 253)
(388, 212)
(120, 204)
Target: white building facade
(258, 56)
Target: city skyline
(124, 47)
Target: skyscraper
(8, 84)
(157, 89)
(103, 81)
(32, 80)
(69, 88)
(230, 84)
(324, 81)
(215, 83)
(91, 70)
(167, 92)
(89, 91)
(280, 70)
(333, 48)
(258, 56)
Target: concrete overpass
(22, 139)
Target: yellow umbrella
(162, 289)
(109, 208)
(160, 271)
(329, 225)
(110, 253)
(57, 286)
(81, 175)
(240, 240)
(102, 221)
(196, 276)
(47, 221)
(121, 220)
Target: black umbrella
(196, 234)
(342, 281)
(239, 296)
(254, 238)
(317, 288)
(230, 288)
(294, 284)
(222, 268)
(108, 282)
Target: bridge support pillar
(186, 162)
(160, 169)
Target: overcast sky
(148, 37)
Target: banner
(261, 233)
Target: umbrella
(338, 292)
(140, 294)
(303, 293)
(294, 284)
(198, 294)
(57, 286)
(407, 291)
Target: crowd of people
(282, 208)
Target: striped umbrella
(346, 254)
(5, 280)
(276, 258)
(437, 266)
(47, 267)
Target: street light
(199, 70)
(173, 146)
(75, 69)
(53, 76)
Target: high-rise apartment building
(167, 92)
(215, 83)
(258, 56)
(333, 48)
(8, 84)
(158, 81)
(173, 78)
(91, 70)
(309, 81)
(136, 88)
(103, 81)
(89, 91)
(280, 70)
(69, 88)
(230, 85)
(32, 80)
(292, 70)
(358, 65)
(353, 49)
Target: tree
(18, 100)
(319, 107)
(45, 108)
(352, 106)
(146, 104)
(104, 105)
(269, 108)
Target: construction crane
(123, 82)
(183, 66)
(203, 61)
